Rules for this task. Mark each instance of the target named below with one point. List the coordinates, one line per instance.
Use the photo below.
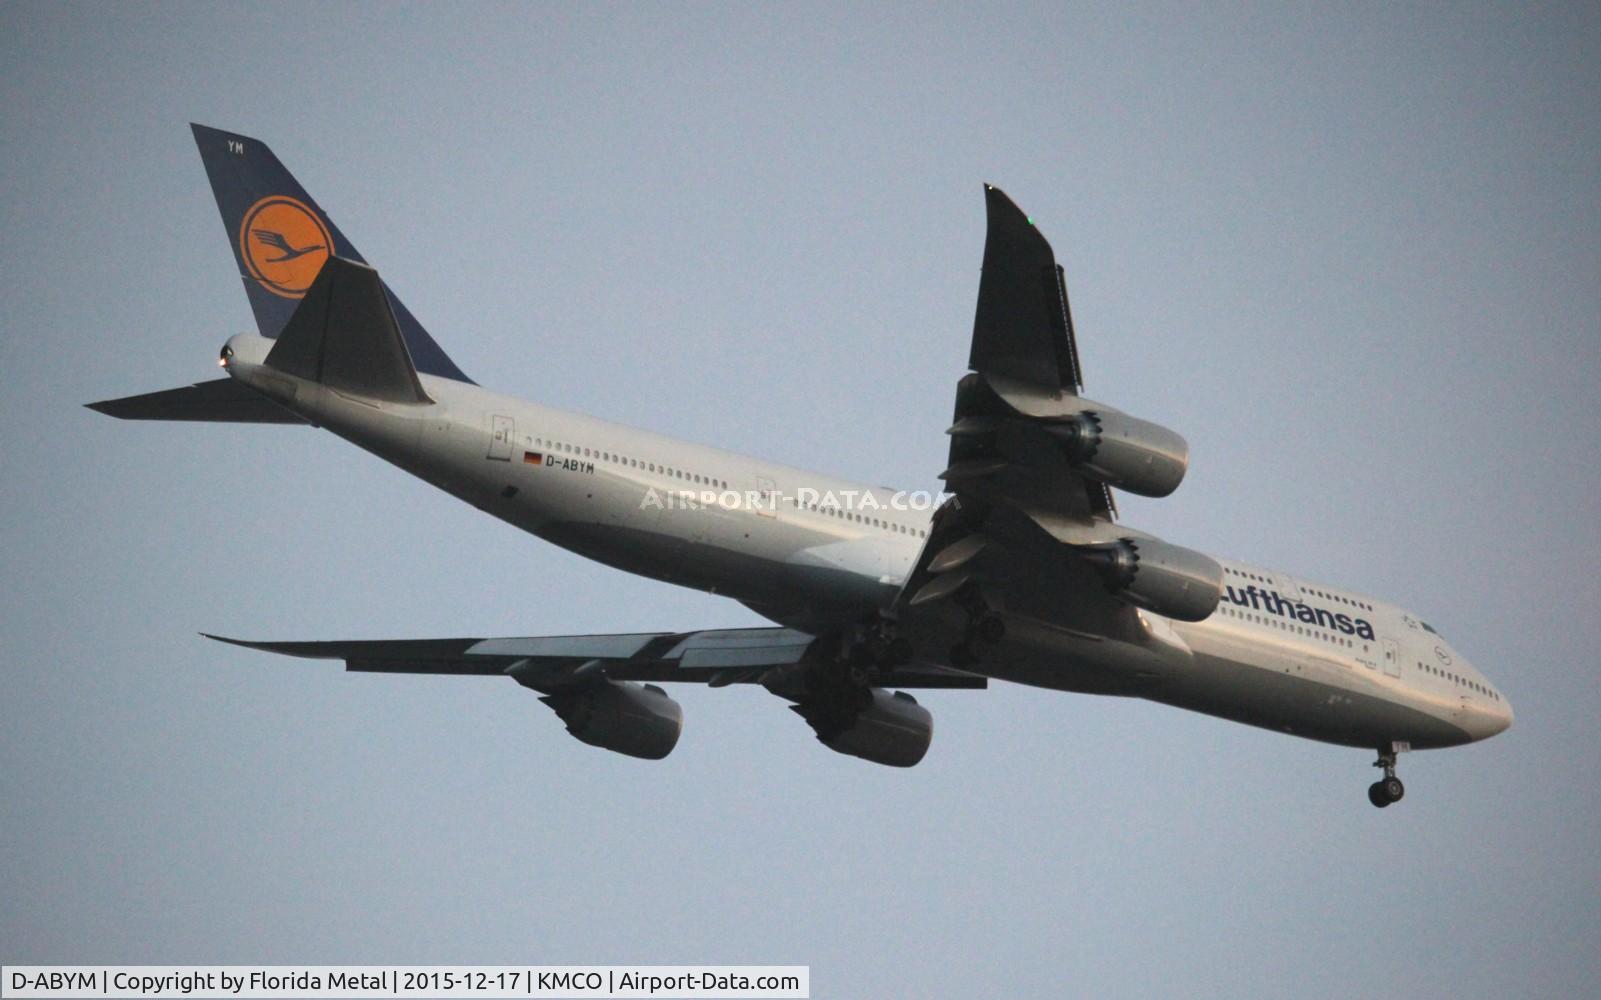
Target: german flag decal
(533, 458)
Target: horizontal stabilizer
(344, 335)
(222, 401)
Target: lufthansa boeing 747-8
(1019, 571)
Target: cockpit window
(1428, 628)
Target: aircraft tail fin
(281, 239)
(344, 335)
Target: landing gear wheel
(859, 665)
(898, 653)
(991, 629)
(1387, 790)
(1393, 789)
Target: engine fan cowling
(892, 729)
(1126, 452)
(638, 720)
(1168, 579)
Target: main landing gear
(875, 651)
(984, 628)
(1389, 788)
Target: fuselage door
(767, 501)
(1287, 587)
(1391, 657)
(501, 432)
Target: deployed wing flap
(743, 648)
(1003, 555)
(635, 645)
(221, 401)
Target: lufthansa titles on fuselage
(1270, 601)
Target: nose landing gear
(1389, 788)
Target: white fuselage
(815, 552)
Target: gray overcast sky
(1354, 256)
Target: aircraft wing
(1023, 328)
(1024, 357)
(714, 657)
(1016, 499)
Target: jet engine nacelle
(634, 719)
(893, 729)
(1124, 451)
(1168, 579)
